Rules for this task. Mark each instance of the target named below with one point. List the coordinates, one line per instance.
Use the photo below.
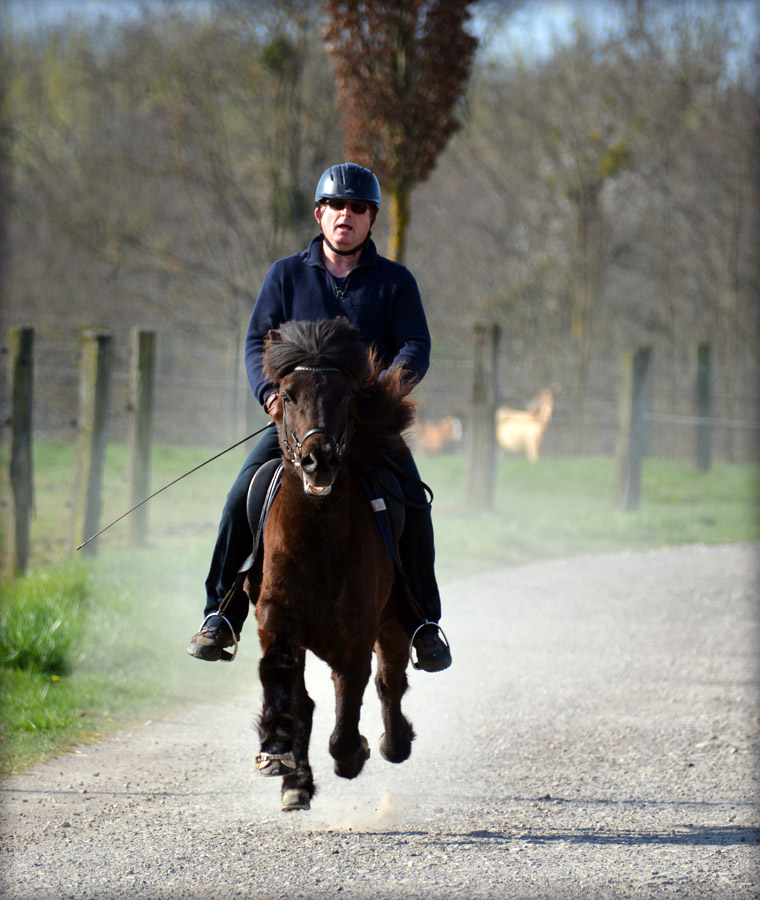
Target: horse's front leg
(278, 671)
(298, 787)
(348, 747)
(392, 657)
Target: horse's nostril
(326, 459)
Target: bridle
(296, 449)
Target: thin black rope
(160, 490)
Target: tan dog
(523, 429)
(435, 437)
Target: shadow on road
(684, 835)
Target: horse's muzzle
(319, 468)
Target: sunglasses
(358, 207)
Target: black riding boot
(226, 612)
(418, 603)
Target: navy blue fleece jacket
(381, 299)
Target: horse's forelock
(382, 407)
(331, 342)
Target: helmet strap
(347, 252)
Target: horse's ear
(351, 330)
(273, 336)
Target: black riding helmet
(348, 181)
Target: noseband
(296, 450)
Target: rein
(399, 470)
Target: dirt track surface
(597, 737)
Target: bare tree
(609, 185)
(600, 195)
(159, 167)
(401, 67)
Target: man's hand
(272, 404)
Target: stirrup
(226, 656)
(412, 660)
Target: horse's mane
(381, 406)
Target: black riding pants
(234, 542)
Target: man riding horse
(339, 274)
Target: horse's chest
(324, 573)
(319, 578)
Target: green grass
(127, 662)
(116, 656)
(565, 507)
(189, 509)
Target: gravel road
(596, 737)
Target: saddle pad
(382, 487)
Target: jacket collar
(314, 253)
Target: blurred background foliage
(600, 194)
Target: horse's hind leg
(298, 788)
(348, 748)
(392, 657)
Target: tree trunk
(398, 214)
(21, 465)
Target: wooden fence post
(704, 408)
(633, 431)
(21, 476)
(141, 389)
(483, 433)
(94, 397)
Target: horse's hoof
(270, 764)
(350, 768)
(398, 754)
(388, 754)
(294, 798)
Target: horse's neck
(308, 511)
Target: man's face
(344, 228)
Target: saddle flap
(261, 492)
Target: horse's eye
(285, 397)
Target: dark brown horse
(327, 578)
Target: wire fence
(202, 398)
